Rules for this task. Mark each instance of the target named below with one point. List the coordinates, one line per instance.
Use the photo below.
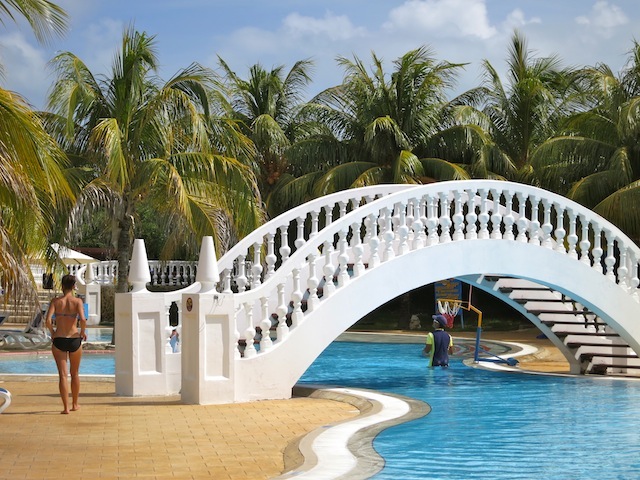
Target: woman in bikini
(67, 341)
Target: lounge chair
(33, 337)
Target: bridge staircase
(590, 345)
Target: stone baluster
(458, 217)
(610, 259)
(285, 250)
(282, 330)
(342, 209)
(471, 231)
(271, 257)
(584, 244)
(329, 270)
(314, 224)
(241, 278)
(432, 221)
(596, 251)
(343, 258)
(534, 224)
(623, 269)
(226, 281)
(559, 232)
(411, 212)
(300, 241)
(417, 226)
(256, 268)
(328, 215)
(265, 326)
(483, 217)
(312, 283)
(403, 230)
(445, 218)
(296, 297)
(547, 226)
(374, 241)
(508, 220)
(368, 228)
(249, 333)
(496, 216)
(572, 238)
(523, 223)
(357, 249)
(387, 236)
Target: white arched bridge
(254, 321)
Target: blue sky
(280, 32)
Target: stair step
(599, 340)
(613, 362)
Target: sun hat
(440, 319)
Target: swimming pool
(483, 424)
(492, 425)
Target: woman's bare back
(67, 310)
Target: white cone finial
(208, 274)
(139, 274)
(89, 277)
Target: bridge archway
(376, 245)
(455, 259)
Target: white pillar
(142, 366)
(209, 348)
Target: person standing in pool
(67, 341)
(439, 343)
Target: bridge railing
(175, 273)
(258, 255)
(420, 217)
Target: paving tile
(120, 438)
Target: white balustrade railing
(412, 218)
(257, 256)
(177, 273)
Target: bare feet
(75, 408)
(65, 412)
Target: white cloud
(332, 27)
(604, 18)
(23, 66)
(451, 18)
(517, 19)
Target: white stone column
(209, 348)
(142, 368)
(92, 295)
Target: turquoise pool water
(492, 425)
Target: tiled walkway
(117, 437)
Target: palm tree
(371, 128)
(597, 161)
(45, 18)
(32, 184)
(266, 105)
(517, 117)
(147, 140)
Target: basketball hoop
(449, 309)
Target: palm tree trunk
(124, 254)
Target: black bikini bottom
(67, 344)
